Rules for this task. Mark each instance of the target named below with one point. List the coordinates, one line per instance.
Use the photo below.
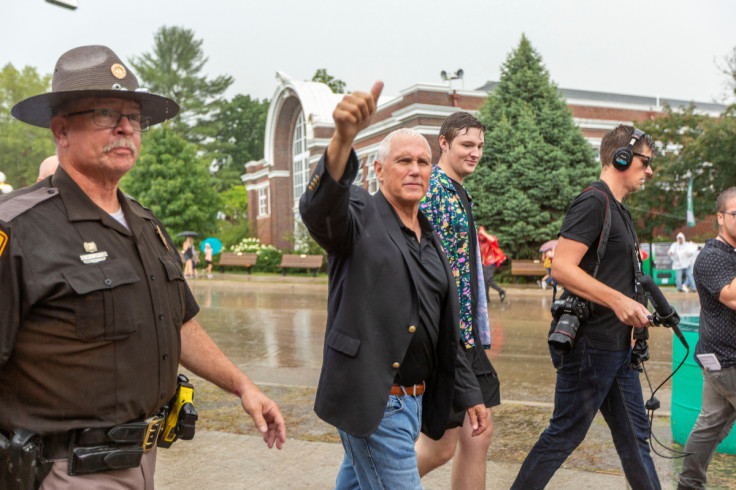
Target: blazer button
(412, 329)
(395, 365)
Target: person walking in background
(448, 207)
(547, 280)
(715, 277)
(683, 255)
(195, 260)
(188, 256)
(493, 257)
(208, 260)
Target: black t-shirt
(584, 223)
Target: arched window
(300, 157)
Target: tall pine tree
(535, 160)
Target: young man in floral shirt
(449, 208)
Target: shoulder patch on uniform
(3, 241)
(16, 205)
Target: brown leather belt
(407, 390)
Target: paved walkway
(223, 461)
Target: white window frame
(264, 202)
(300, 157)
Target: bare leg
(432, 454)
(469, 466)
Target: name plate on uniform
(94, 258)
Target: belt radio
(181, 416)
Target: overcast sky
(667, 48)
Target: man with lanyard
(449, 208)
(715, 278)
(596, 374)
(96, 316)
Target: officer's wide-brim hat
(91, 71)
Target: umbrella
(214, 243)
(188, 233)
(548, 245)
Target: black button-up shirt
(431, 284)
(91, 311)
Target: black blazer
(372, 302)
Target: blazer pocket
(342, 342)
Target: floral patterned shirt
(445, 211)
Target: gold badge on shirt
(92, 256)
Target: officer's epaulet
(132, 199)
(19, 202)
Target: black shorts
(487, 378)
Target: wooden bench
(302, 261)
(527, 268)
(239, 259)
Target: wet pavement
(273, 328)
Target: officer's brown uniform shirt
(90, 313)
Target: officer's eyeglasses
(732, 213)
(647, 159)
(107, 118)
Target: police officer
(96, 315)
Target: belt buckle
(155, 424)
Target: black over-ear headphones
(623, 156)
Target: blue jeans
(714, 423)
(589, 380)
(689, 281)
(386, 458)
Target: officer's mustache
(121, 142)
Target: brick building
(299, 127)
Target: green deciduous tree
(689, 145)
(173, 69)
(336, 85)
(22, 146)
(172, 180)
(535, 160)
(240, 130)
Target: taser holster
(182, 417)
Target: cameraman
(595, 374)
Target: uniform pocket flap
(105, 275)
(343, 342)
(173, 268)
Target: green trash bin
(687, 388)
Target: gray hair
(385, 147)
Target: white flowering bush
(268, 255)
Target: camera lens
(563, 335)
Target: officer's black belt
(93, 450)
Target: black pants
(488, 271)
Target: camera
(568, 313)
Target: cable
(652, 404)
